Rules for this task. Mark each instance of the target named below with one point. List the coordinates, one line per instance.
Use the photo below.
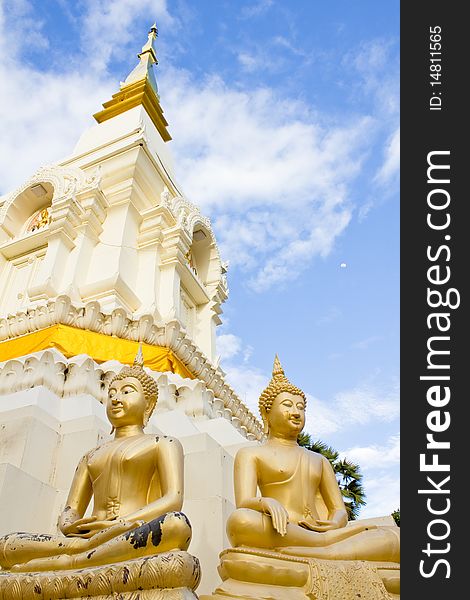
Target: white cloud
(259, 59)
(379, 466)
(255, 9)
(19, 16)
(379, 74)
(331, 315)
(321, 419)
(248, 382)
(228, 346)
(273, 175)
(106, 27)
(382, 495)
(247, 352)
(360, 406)
(375, 457)
(365, 343)
(259, 56)
(377, 65)
(42, 116)
(257, 149)
(250, 62)
(371, 57)
(391, 163)
(274, 180)
(366, 403)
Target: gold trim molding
(135, 94)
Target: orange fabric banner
(71, 341)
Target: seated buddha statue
(286, 516)
(136, 483)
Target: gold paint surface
(135, 94)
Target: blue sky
(284, 117)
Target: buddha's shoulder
(249, 452)
(163, 441)
(315, 457)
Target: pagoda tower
(98, 253)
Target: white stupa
(99, 252)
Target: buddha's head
(132, 395)
(282, 405)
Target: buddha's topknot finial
(278, 371)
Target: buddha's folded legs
(21, 547)
(381, 544)
(247, 527)
(169, 532)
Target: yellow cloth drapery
(71, 341)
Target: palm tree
(347, 473)
(396, 516)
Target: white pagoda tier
(98, 253)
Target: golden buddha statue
(295, 532)
(136, 482)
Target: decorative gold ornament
(168, 576)
(40, 220)
(251, 573)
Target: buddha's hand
(278, 514)
(71, 527)
(110, 527)
(318, 525)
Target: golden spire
(149, 46)
(148, 58)
(140, 88)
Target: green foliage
(304, 439)
(347, 473)
(396, 516)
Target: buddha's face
(126, 402)
(287, 415)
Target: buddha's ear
(149, 410)
(264, 417)
(147, 413)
